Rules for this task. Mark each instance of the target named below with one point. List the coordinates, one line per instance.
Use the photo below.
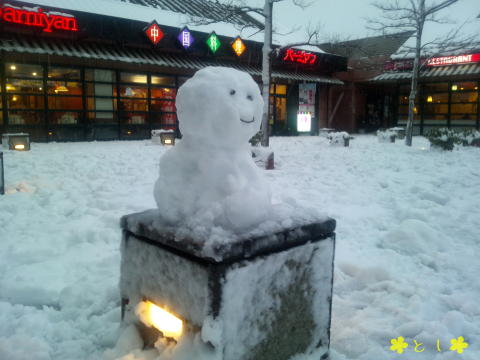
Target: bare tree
(404, 15)
(234, 8)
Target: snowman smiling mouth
(248, 122)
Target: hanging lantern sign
(238, 46)
(154, 33)
(213, 42)
(186, 38)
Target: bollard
(268, 297)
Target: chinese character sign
(185, 38)
(213, 42)
(238, 46)
(304, 122)
(300, 56)
(154, 33)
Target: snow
(210, 179)
(406, 254)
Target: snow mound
(209, 177)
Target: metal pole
(2, 178)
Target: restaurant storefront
(68, 75)
(448, 93)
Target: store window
(101, 96)
(1, 103)
(133, 101)
(278, 109)
(133, 78)
(163, 80)
(24, 96)
(16, 70)
(63, 73)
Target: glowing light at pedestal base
(153, 315)
(304, 122)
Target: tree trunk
(415, 74)
(266, 64)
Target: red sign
(300, 56)
(453, 60)
(154, 33)
(48, 21)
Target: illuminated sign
(154, 33)
(300, 56)
(304, 122)
(452, 60)
(213, 42)
(186, 38)
(36, 17)
(238, 46)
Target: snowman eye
(250, 97)
(232, 92)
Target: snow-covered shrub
(446, 139)
(399, 132)
(470, 137)
(340, 138)
(256, 139)
(386, 136)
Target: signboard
(154, 33)
(185, 38)
(453, 60)
(299, 56)
(37, 17)
(306, 98)
(304, 122)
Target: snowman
(210, 177)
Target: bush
(446, 139)
(256, 139)
(341, 138)
(386, 136)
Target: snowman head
(219, 106)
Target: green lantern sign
(213, 42)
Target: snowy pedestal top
(234, 247)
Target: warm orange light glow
(34, 74)
(19, 147)
(238, 46)
(13, 67)
(153, 315)
(10, 87)
(14, 98)
(129, 132)
(61, 88)
(168, 141)
(429, 99)
(454, 87)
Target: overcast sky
(347, 17)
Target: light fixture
(429, 99)
(10, 87)
(238, 46)
(213, 42)
(61, 88)
(454, 87)
(476, 87)
(129, 132)
(34, 74)
(40, 88)
(167, 138)
(13, 67)
(14, 98)
(16, 141)
(162, 320)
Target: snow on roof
(136, 12)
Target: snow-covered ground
(406, 258)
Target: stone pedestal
(266, 297)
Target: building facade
(77, 73)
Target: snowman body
(210, 175)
